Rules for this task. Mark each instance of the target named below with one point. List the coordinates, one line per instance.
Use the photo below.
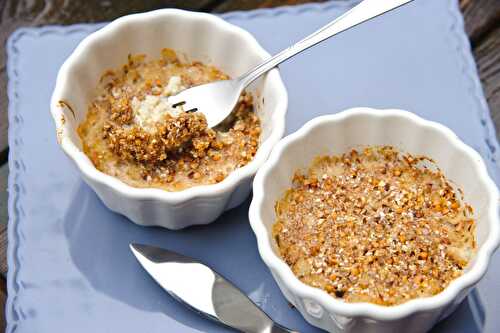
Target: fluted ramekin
(339, 133)
(195, 36)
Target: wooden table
(482, 20)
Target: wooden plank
(482, 23)
(4, 171)
(3, 250)
(3, 299)
(480, 16)
(487, 55)
(252, 4)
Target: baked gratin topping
(131, 132)
(375, 225)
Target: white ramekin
(196, 36)
(334, 134)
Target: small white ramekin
(196, 36)
(334, 134)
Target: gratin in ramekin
(336, 134)
(194, 36)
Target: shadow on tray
(99, 246)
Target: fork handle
(364, 11)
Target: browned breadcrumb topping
(132, 143)
(179, 151)
(374, 226)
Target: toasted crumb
(131, 132)
(374, 226)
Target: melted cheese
(149, 111)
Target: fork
(216, 100)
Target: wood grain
(3, 250)
(481, 16)
(487, 55)
(252, 4)
(4, 172)
(482, 24)
(3, 300)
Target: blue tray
(70, 269)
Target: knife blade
(204, 290)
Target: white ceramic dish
(338, 133)
(200, 37)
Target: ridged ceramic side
(197, 36)
(360, 127)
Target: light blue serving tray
(70, 269)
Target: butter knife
(204, 290)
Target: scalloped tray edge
(13, 313)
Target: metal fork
(216, 100)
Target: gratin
(132, 133)
(374, 226)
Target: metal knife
(204, 290)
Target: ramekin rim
(198, 192)
(369, 310)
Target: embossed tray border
(16, 165)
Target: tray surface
(70, 269)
